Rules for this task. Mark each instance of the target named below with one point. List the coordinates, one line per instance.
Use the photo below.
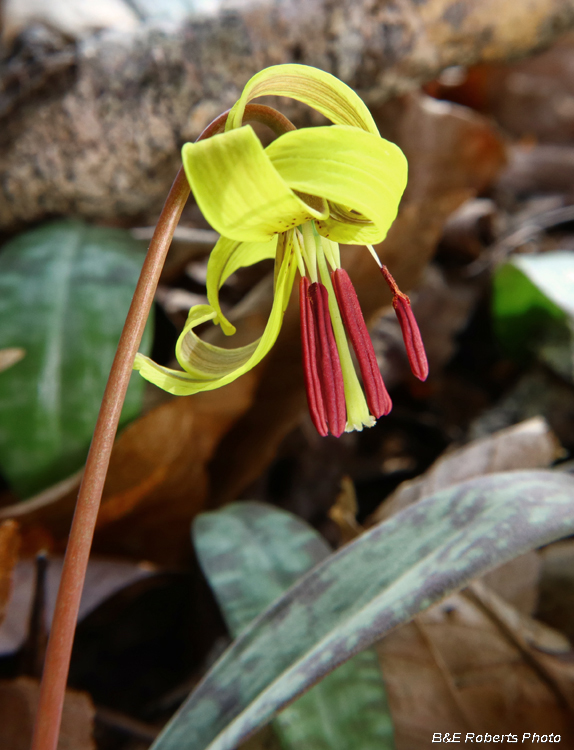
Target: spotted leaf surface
(381, 580)
(251, 553)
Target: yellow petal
(227, 257)
(314, 87)
(363, 175)
(208, 366)
(238, 190)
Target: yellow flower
(294, 201)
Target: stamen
(329, 367)
(409, 328)
(378, 398)
(358, 415)
(312, 383)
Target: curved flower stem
(56, 666)
(58, 653)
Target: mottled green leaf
(533, 307)
(65, 289)
(251, 553)
(379, 581)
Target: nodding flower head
(295, 201)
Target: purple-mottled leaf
(251, 553)
(381, 580)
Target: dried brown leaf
(464, 666)
(528, 445)
(556, 601)
(9, 544)
(104, 579)
(18, 703)
(344, 511)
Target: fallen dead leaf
(157, 480)
(9, 543)
(104, 578)
(344, 512)
(466, 665)
(528, 445)
(518, 581)
(556, 601)
(18, 703)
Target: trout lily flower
(295, 201)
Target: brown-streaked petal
(378, 399)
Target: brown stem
(59, 650)
(53, 688)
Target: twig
(118, 721)
(183, 234)
(530, 231)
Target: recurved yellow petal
(227, 257)
(361, 174)
(207, 366)
(313, 87)
(238, 190)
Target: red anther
(378, 399)
(312, 383)
(411, 336)
(409, 328)
(329, 364)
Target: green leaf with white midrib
(251, 553)
(377, 582)
(65, 289)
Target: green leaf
(251, 553)
(533, 301)
(65, 289)
(381, 580)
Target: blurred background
(96, 100)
